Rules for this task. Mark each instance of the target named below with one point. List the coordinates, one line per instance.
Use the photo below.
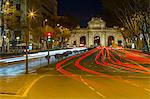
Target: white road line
(147, 89)
(100, 94)
(133, 84)
(85, 83)
(90, 87)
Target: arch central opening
(110, 40)
(96, 41)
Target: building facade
(45, 10)
(96, 34)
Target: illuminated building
(96, 34)
(45, 9)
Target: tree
(39, 32)
(62, 35)
(11, 17)
(133, 14)
(10, 21)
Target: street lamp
(58, 25)
(122, 29)
(31, 15)
(7, 3)
(4, 37)
(17, 38)
(46, 20)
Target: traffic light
(49, 36)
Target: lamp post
(17, 38)
(31, 15)
(48, 38)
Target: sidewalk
(13, 54)
(38, 55)
(17, 87)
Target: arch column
(90, 39)
(78, 41)
(87, 40)
(103, 39)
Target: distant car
(119, 48)
(82, 45)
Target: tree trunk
(145, 42)
(125, 43)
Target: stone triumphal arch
(96, 34)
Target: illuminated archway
(96, 40)
(110, 40)
(82, 41)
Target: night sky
(83, 10)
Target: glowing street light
(122, 29)
(58, 25)
(7, 3)
(17, 38)
(32, 14)
(46, 20)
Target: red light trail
(107, 59)
(117, 63)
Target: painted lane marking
(91, 88)
(100, 94)
(31, 85)
(147, 89)
(7, 95)
(85, 83)
(27, 90)
(133, 84)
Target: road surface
(101, 73)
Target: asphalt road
(93, 75)
(91, 87)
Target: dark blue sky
(81, 9)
